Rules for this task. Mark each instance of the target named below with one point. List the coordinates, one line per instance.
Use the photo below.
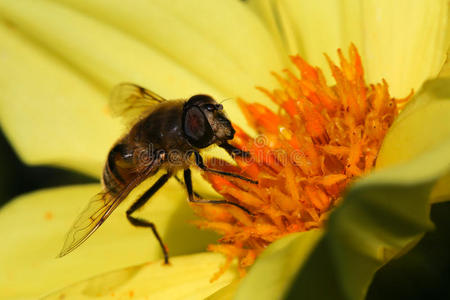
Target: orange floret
(304, 157)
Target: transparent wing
(98, 210)
(132, 102)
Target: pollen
(321, 139)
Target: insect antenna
(225, 100)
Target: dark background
(17, 178)
(424, 273)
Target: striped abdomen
(119, 168)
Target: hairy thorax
(159, 135)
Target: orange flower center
(304, 156)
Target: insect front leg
(144, 223)
(233, 151)
(188, 183)
(201, 165)
(183, 184)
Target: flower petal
(405, 42)
(188, 277)
(317, 25)
(380, 217)
(277, 266)
(276, 19)
(216, 50)
(50, 114)
(441, 190)
(211, 47)
(312, 28)
(101, 51)
(445, 70)
(66, 124)
(227, 292)
(33, 228)
(422, 125)
(108, 56)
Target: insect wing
(132, 102)
(98, 209)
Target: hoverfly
(163, 135)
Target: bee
(164, 135)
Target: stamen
(322, 138)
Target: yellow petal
(277, 266)
(402, 41)
(381, 217)
(104, 53)
(188, 277)
(227, 292)
(421, 126)
(441, 190)
(276, 19)
(445, 70)
(50, 114)
(318, 28)
(246, 41)
(33, 229)
(109, 56)
(214, 48)
(405, 42)
(312, 28)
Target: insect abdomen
(117, 168)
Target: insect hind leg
(144, 223)
(188, 183)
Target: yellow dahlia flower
(60, 59)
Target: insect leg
(199, 162)
(188, 182)
(182, 183)
(233, 151)
(144, 223)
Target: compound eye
(197, 128)
(195, 122)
